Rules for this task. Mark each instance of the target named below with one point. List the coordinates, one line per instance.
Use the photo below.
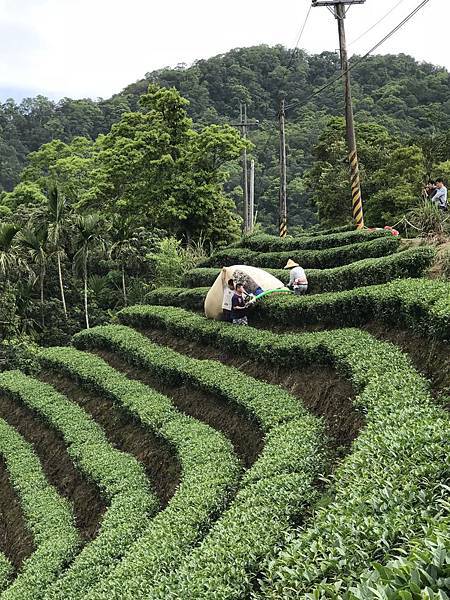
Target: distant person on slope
(298, 280)
(239, 307)
(429, 190)
(441, 196)
(228, 293)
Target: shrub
(120, 477)
(209, 474)
(385, 491)
(47, 515)
(309, 259)
(419, 304)
(409, 263)
(277, 485)
(272, 243)
(420, 573)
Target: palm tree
(35, 241)
(126, 252)
(56, 205)
(8, 257)
(88, 238)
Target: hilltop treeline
(402, 109)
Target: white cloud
(96, 47)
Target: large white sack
(214, 298)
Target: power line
(363, 58)
(376, 24)
(297, 43)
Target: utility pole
(282, 218)
(244, 125)
(339, 13)
(243, 112)
(252, 196)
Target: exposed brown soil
(320, 389)
(58, 467)
(430, 357)
(16, 541)
(125, 433)
(243, 432)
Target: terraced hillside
(307, 456)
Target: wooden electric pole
(244, 125)
(339, 13)
(251, 203)
(243, 114)
(282, 218)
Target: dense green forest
(103, 200)
(402, 110)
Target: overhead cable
(376, 24)
(363, 58)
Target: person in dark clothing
(239, 308)
(430, 190)
(228, 294)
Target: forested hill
(411, 100)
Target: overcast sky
(93, 48)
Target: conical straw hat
(291, 264)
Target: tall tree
(56, 206)
(8, 255)
(158, 170)
(89, 236)
(35, 242)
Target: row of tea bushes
(370, 271)
(422, 305)
(392, 484)
(209, 476)
(272, 243)
(120, 477)
(48, 516)
(275, 488)
(309, 259)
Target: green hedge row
(277, 486)
(229, 383)
(307, 233)
(309, 259)
(192, 298)
(6, 571)
(385, 491)
(120, 477)
(272, 243)
(422, 573)
(209, 475)
(370, 271)
(419, 304)
(48, 516)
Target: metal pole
(252, 196)
(358, 216)
(282, 219)
(245, 169)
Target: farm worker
(441, 196)
(238, 306)
(297, 281)
(228, 293)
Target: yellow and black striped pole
(339, 13)
(358, 216)
(357, 204)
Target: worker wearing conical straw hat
(298, 281)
